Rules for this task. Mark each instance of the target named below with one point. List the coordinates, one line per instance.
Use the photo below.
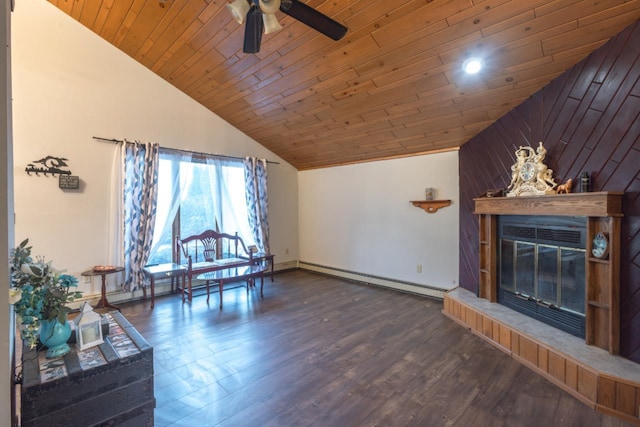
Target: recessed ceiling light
(472, 65)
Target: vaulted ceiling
(392, 87)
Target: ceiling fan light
(238, 9)
(269, 6)
(271, 24)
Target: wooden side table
(262, 257)
(103, 303)
(169, 269)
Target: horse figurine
(566, 187)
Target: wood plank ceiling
(392, 87)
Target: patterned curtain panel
(139, 191)
(255, 175)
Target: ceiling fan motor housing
(260, 16)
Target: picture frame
(430, 193)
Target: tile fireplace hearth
(605, 382)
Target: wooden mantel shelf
(431, 206)
(596, 204)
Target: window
(196, 194)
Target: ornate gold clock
(529, 175)
(528, 171)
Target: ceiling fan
(260, 16)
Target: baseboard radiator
(399, 285)
(163, 288)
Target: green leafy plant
(44, 292)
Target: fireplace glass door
(525, 264)
(548, 274)
(541, 279)
(573, 280)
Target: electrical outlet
(86, 280)
(286, 251)
(419, 268)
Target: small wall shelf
(431, 206)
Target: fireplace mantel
(600, 204)
(603, 211)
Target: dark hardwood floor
(320, 351)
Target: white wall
(6, 218)
(358, 218)
(71, 85)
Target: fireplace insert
(541, 268)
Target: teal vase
(54, 336)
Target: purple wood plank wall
(589, 120)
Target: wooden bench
(211, 251)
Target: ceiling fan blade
(253, 30)
(311, 17)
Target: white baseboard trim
(163, 286)
(287, 265)
(116, 297)
(413, 288)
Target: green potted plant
(41, 295)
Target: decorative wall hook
(49, 165)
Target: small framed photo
(253, 249)
(430, 194)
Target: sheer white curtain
(116, 231)
(173, 187)
(227, 190)
(204, 192)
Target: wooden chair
(210, 251)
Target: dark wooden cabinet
(111, 384)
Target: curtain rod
(114, 141)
